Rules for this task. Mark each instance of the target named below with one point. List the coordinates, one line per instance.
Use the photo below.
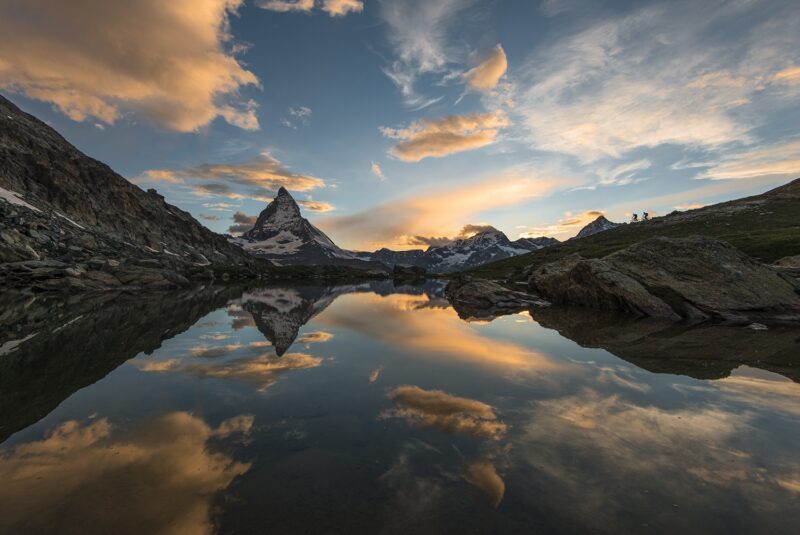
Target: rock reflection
(280, 312)
(705, 351)
(84, 478)
(72, 342)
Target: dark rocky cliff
(61, 205)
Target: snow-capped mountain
(485, 246)
(601, 224)
(282, 235)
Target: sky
(401, 123)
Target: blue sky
(399, 121)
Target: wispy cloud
(284, 6)
(682, 74)
(334, 8)
(261, 176)
(780, 160)
(96, 67)
(435, 138)
(418, 31)
(299, 115)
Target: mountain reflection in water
(375, 408)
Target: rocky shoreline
(693, 279)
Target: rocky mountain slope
(765, 227)
(71, 221)
(51, 347)
(601, 224)
(696, 278)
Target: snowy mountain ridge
(282, 235)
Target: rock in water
(485, 299)
(694, 278)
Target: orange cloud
(483, 475)
(261, 371)
(263, 171)
(438, 212)
(316, 206)
(789, 76)
(435, 138)
(427, 331)
(377, 171)
(566, 227)
(261, 175)
(443, 411)
(55, 482)
(338, 8)
(485, 76)
(170, 61)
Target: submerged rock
(484, 299)
(694, 278)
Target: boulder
(485, 299)
(694, 278)
(594, 283)
(790, 262)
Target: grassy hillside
(767, 227)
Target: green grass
(767, 230)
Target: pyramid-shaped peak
(283, 192)
(600, 224)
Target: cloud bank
(171, 61)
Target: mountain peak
(281, 213)
(600, 224)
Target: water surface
(379, 409)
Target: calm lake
(376, 408)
